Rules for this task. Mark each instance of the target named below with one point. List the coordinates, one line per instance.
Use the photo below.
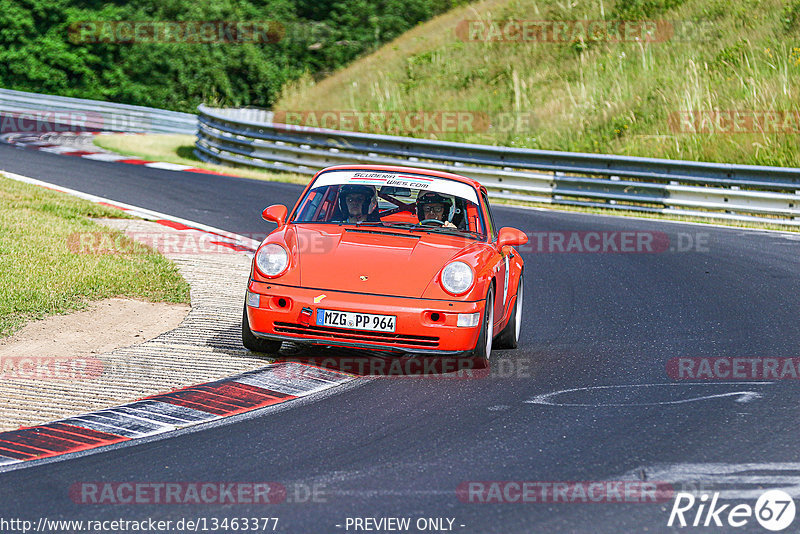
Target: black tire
(483, 348)
(508, 338)
(257, 344)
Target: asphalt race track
(401, 447)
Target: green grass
(177, 148)
(41, 276)
(592, 96)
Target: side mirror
(275, 213)
(511, 236)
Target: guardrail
(77, 114)
(698, 189)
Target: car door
(502, 265)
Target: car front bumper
(422, 326)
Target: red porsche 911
(387, 258)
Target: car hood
(373, 260)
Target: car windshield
(390, 199)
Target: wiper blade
(402, 225)
(419, 228)
(359, 224)
(454, 231)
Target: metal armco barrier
(20, 110)
(741, 192)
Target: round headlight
(272, 259)
(457, 277)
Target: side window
(316, 205)
(489, 218)
(308, 207)
(327, 208)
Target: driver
(432, 205)
(358, 203)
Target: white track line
(143, 213)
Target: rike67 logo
(774, 510)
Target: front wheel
(508, 338)
(483, 348)
(256, 344)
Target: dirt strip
(205, 346)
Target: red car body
(352, 272)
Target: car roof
(396, 168)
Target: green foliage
(643, 9)
(791, 16)
(41, 49)
(730, 56)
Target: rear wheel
(256, 344)
(509, 337)
(483, 348)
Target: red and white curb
(40, 142)
(277, 383)
(218, 236)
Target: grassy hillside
(595, 95)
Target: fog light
(253, 299)
(469, 319)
